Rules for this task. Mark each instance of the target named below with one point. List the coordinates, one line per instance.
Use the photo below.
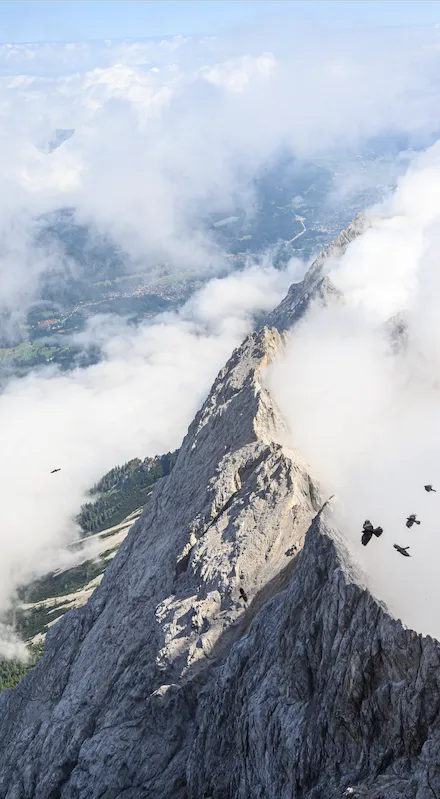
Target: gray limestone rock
(167, 684)
(111, 707)
(325, 692)
(315, 285)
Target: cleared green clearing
(23, 352)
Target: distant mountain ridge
(58, 138)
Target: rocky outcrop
(315, 286)
(325, 693)
(396, 330)
(221, 656)
(111, 708)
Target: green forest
(12, 671)
(61, 583)
(123, 490)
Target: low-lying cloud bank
(368, 418)
(166, 132)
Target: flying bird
(55, 470)
(430, 488)
(369, 531)
(412, 520)
(243, 594)
(402, 550)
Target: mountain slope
(233, 506)
(315, 286)
(324, 693)
(168, 683)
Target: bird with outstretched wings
(403, 550)
(368, 531)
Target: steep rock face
(315, 286)
(110, 709)
(325, 692)
(168, 684)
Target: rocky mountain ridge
(168, 605)
(231, 650)
(316, 285)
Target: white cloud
(142, 89)
(165, 129)
(368, 421)
(236, 74)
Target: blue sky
(39, 20)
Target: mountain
(122, 491)
(315, 286)
(116, 502)
(58, 138)
(170, 683)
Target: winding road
(301, 232)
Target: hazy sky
(39, 21)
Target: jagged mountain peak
(231, 515)
(315, 286)
(232, 650)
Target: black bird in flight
(55, 470)
(430, 488)
(412, 520)
(369, 531)
(402, 550)
(243, 594)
